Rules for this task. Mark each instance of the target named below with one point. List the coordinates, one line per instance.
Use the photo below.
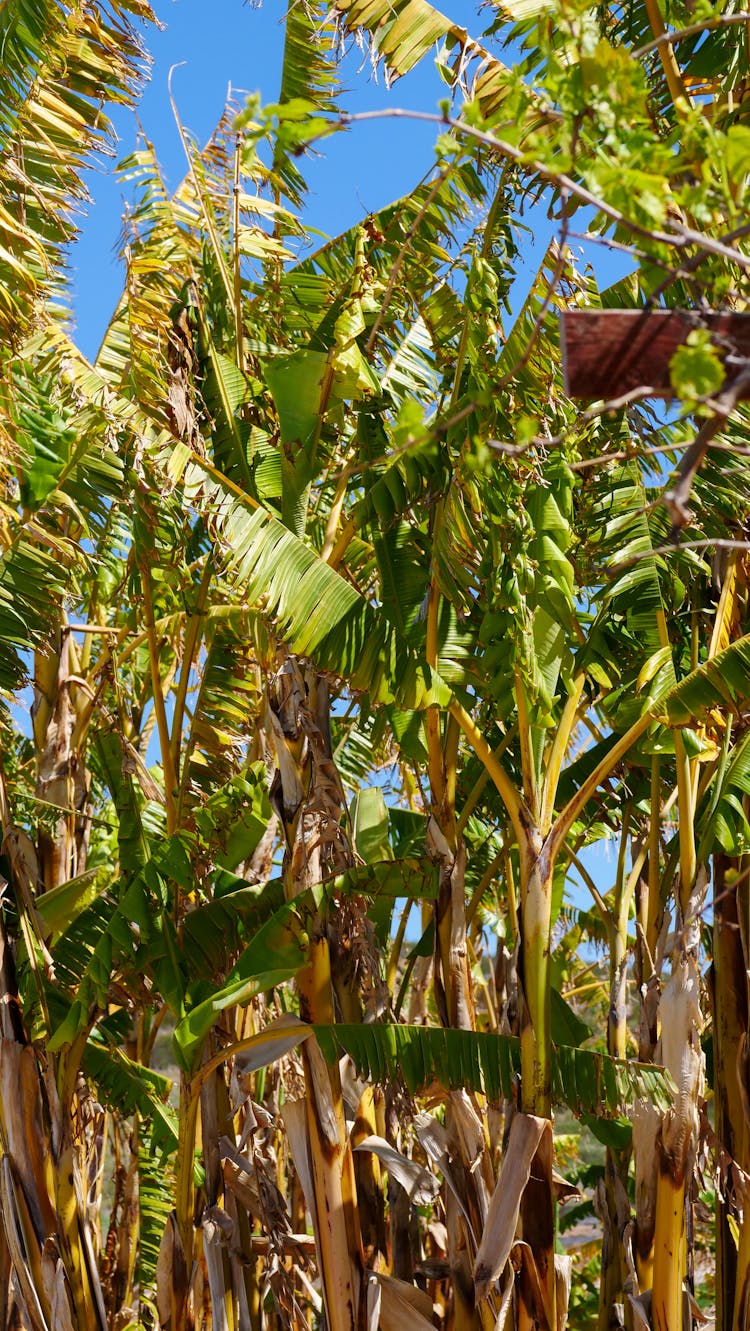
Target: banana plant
(319, 524)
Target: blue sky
(230, 43)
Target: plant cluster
(349, 638)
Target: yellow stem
(684, 795)
(193, 635)
(669, 1255)
(722, 629)
(329, 540)
(603, 768)
(528, 775)
(336, 1219)
(170, 776)
(397, 945)
(510, 883)
(505, 788)
(480, 783)
(685, 815)
(238, 331)
(348, 532)
(650, 915)
(185, 1181)
(536, 1033)
(672, 71)
(558, 750)
(585, 988)
(432, 715)
(450, 764)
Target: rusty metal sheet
(607, 353)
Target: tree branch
(676, 499)
(677, 236)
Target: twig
(684, 272)
(737, 450)
(676, 499)
(515, 450)
(706, 243)
(554, 440)
(88, 628)
(355, 468)
(617, 403)
(691, 264)
(624, 455)
(680, 34)
(707, 543)
(637, 452)
(678, 236)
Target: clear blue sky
(228, 43)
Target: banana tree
(317, 533)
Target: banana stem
(170, 776)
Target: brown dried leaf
(532, 1293)
(420, 1185)
(563, 1279)
(681, 1053)
(564, 1191)
(322, 1098)
(242, 1185)
(502, 1219)
(20, 1267)
(23, 1130)
(402, 1307)
(133, 765)
(646, 1128)
(294, 1117)
(433, 1137)
(171, 1278)
(506, 1294)
(55, 1287)
(641, 1311)
(214, 1241)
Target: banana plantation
(374, 743)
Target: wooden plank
(607, 353)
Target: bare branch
(706, 543)
(680, 34)
(677, 236)
(676, 499)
